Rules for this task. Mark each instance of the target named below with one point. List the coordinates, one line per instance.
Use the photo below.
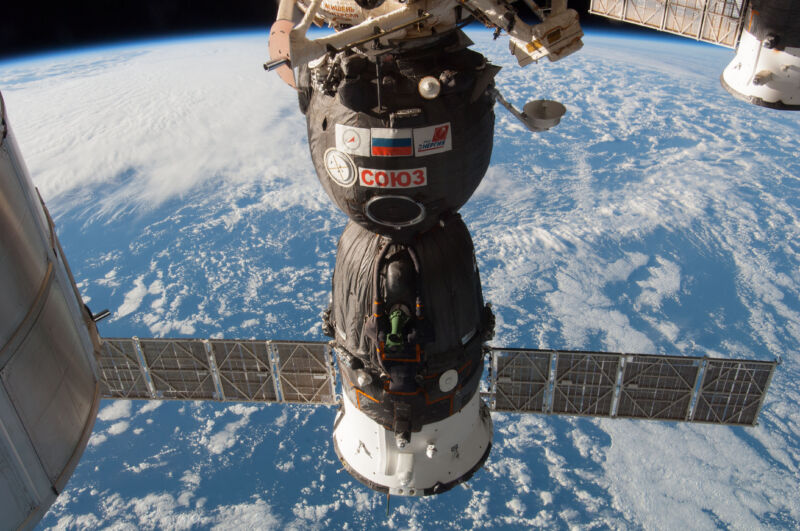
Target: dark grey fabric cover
(403, 396)
(451, 293)
(464, 103)
(780, 18)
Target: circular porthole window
(396, 211)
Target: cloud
(739, 486)
(118, 427)
(133, 298)
(117, 153)
(97, 439)
(226, 438)
(117, 410)
(254, 515)
(150, 405)
(664, 281)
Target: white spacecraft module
(765, 33)
(49, 391)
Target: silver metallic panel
(657, 387)
(179, 369)
(521, 379)
(24, 245)
(585, 383)
(732, 391)
(51, 384)
(223, 370)
(24, 487)
(713, 21)
(48, 395)
(244, 370)
(305, 370)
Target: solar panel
(714, 21)
(244, 369)
(657, 387)
(638, 386)
(121, 375)
(584, 383)
(732, 391)
(306, 372)
(522, 378)
(179, 368)
(224, 370)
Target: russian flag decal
(392, 142)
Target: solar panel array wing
(121, 375)
(628, 385)
(306, 373)
(715, 21)
(657, 387)
(224, 370)
(732, 391)
(584, 383)
(522, 378)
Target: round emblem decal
(351, 139)
(340, 167)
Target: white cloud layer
(118, 409)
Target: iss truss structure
(713, 21)
(597, 384)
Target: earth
(660, 216)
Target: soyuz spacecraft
(400, 127)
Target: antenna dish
(540, 115)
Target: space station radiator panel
(714, 21)
(217, 369)
(641, 386)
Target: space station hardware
(765, 33)
(49, 391)
(400, 127)
(409, 323)
(378, 32)
(400, 116)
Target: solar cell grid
(304, 372)
(244, 370)
(120, 374)
(647, 386)
(585, 383)
(521, 381)
(179, 368)
(228, 370)
(657, 387)
(732, 391)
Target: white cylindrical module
(49, 390)
(766, 68)
(764, 76)
(435, 459)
